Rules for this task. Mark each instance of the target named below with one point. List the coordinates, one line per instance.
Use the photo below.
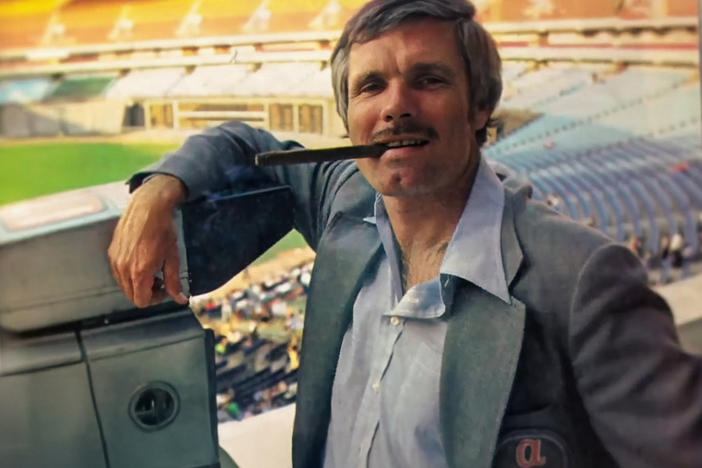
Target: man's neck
(423, 226)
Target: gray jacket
(581, 369)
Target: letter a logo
(529, 453)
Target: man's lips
(403, 142)
(406, 143)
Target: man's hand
(145, 242)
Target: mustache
(408, 126)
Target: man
(451, 320)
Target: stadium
(600, 112)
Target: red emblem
(528, 453)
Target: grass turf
(35, 169)
(32, 170)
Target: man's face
(408, 89)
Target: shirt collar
(474, 253)
(378, 210)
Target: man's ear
(480, 118)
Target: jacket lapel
(348, 248)
(481, 352)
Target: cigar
(297, 156)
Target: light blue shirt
(385, 396)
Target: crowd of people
(258, 330)
(675, 258)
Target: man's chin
(405, 182)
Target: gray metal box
(53, 258)
(87, 380)
(47, 417)
(137, 366)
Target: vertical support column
(175, 108)
(147, 115)
(296, 116)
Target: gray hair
(477, 47)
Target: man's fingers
(142, 284)
(171, 269)
(122, 279)
(115, 274)
(126, 285)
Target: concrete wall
(52, 119)
(14, 121)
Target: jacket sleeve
(643, 392)
(221, 158)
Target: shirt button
(395, 321)
(376, 386)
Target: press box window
(310, 118)
(161, 115)
(281, 117)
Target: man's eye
(370, 88)
(429, 81)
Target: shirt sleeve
(642, 390)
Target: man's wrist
(170, 188)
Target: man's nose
(399, 103)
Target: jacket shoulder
(553, 245)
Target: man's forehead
(411, 28)
(425, 40)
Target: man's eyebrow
(368, 76)
(433, 67)
(365, 77)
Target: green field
(35, 169)
(31, 170)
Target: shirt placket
(390, 330)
